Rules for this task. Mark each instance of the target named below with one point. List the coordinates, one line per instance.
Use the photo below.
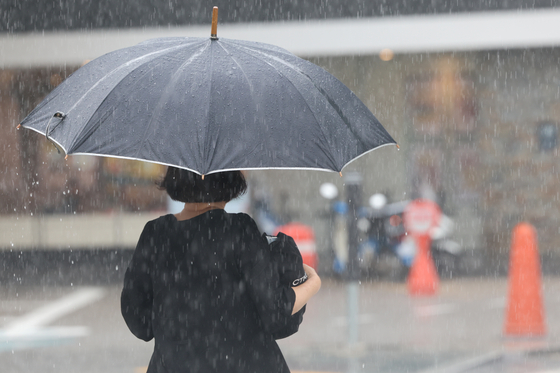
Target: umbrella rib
(329, 99)
(243, 48)
(240, 68)
(120, 67)
(211, 149)
(161, 101)
(256, 145)
(117, 69)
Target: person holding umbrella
(204, 284)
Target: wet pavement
(460, 329)
(79, 329)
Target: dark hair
(186, 186)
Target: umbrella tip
(340, 173)
(214, 31)
(66, 157)
(398, 147)
(18, 126)
(202, 176)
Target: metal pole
(353, 183)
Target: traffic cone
(423, 278)
(525, 311)
(304, 238)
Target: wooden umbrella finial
(214, 32)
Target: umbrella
(209, 105)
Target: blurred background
(470, 91)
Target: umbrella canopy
(209, 105)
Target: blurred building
(470, 90)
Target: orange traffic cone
(304, 237)
(423, 278)
(525, 311)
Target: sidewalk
(456, 330)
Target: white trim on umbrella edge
(211, 172)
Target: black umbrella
(209, 105)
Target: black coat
(209, 291)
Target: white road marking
(53, 311)
(29, 330)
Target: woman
(203, 284)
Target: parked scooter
(390, 254)
(386, 251)
(380, 236)
(446, 252)
(381, 252)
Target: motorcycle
(386, 250)
(382, 254)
